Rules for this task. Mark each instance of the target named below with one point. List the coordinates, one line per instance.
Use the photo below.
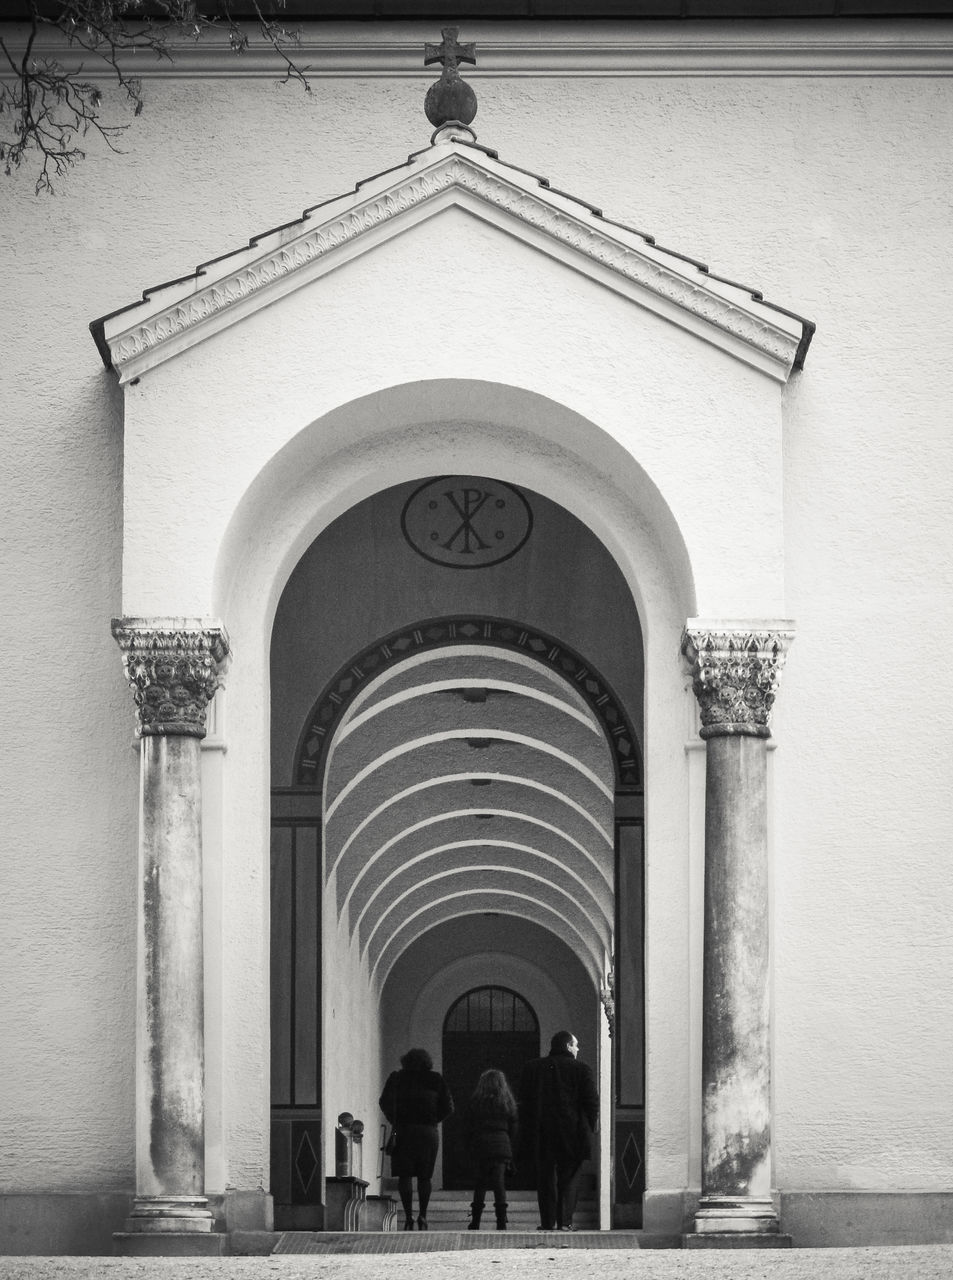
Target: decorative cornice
(735, 673)
(691, 294)
(174, 666)
(822, 48)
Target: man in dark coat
(559, 1110)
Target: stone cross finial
(449, 52)
(450, 100)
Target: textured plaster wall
(830, 194)
(70, 774)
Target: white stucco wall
(831, 194)
(351, 1041)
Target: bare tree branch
(47, 109)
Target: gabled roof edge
(576, 222)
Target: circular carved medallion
(466, 522)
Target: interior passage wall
(351, 1036)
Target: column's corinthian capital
(174, 666)
(736, 667)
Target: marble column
(174, 666)
(735, 669)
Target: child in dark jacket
(491, 1136)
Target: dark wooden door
(488, 1027)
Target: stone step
(450, 1211)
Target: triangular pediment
(175, 316)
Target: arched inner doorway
(486, 1027)
(466, 789)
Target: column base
(159, 1215)
(744, 1215)
(736, 1240)
(169, 1244)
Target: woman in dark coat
(415, 1100)
(490, 1126)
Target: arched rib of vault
(451, 708)
(437, 690)
(443, 717)
(491, 826)
(468, 666)
(545, 784)
(465, 903)
(485, 862)
(414, 760)
(386, 671)
(540, 773)
(474, 877)
(453, 792)
(444, 705)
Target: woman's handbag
(391, 1142)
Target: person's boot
(500, 1208)
(476, 1213)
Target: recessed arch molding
(437, 633)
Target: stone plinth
(736, 1240)
(169, 1244)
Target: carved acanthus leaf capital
(174, 666)
(735, 672)
(607, 996)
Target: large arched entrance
(464, 791)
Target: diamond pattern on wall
(631, 1161)
(305, 1163)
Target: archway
(456, 770)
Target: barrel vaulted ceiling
(469, 780)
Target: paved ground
(547, 1262)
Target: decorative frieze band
(174, 667)
(688, 293)
(735, 673)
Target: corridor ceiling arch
(465, 778)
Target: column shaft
(736, 1078)
(170, 1147)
